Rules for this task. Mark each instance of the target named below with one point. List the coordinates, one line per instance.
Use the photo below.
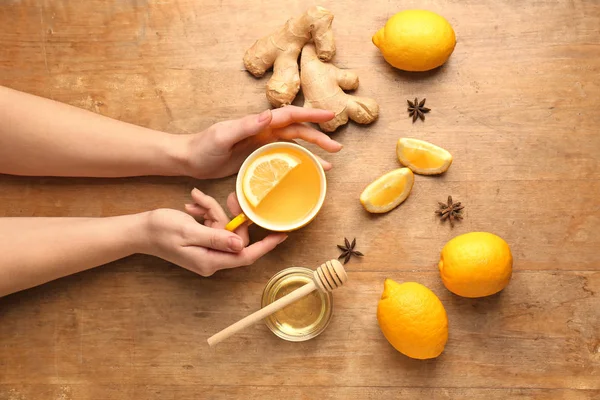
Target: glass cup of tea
(289, 204)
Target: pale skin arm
(38, 250)
(43, 137)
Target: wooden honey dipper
(329, 276)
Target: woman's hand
(204, 248)
(220, 150)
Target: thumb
(213, 238)
(250, 125)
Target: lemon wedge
(265, 173)
(423, 157)
(388, 191)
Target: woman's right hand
(203, 248)
(220, 150)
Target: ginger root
(280, 50)
(322, 86)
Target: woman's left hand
(221, 149)
(203, 248)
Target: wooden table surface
(518, 107)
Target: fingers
(208, 208)
(233, 204)
(198, 212)
(287, 115)
(250, 254)
(240, 129)
(206, 261)
(325, 164)
(213, 238)
(195, 210)
(306, 133)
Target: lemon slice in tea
(265, 173)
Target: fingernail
(235, 244)
(282, 239)
(263, 116)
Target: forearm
(43, 137)
(38, 250)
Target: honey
(303, 319)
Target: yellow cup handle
(236, 222)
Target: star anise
(451, 211)
(417, 110)
(348, 250)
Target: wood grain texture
(517, 106)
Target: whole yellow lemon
(476, 264)
(416, 40)
(412, 319)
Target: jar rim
(268, 297)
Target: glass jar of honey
(303, 319)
